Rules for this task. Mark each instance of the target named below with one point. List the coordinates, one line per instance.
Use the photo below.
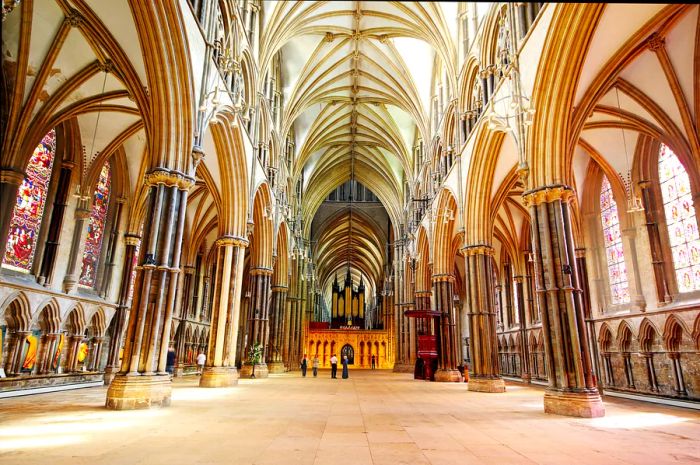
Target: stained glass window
(29, 207)
(612, 238)
(680, 220)
(96, 228)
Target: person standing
(345, 367)
(314, 365)
(373, 361)
(201, 359)
(170, 361)
(334, 366)
(304, 364)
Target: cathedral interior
(197, 195)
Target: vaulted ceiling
(357, 88)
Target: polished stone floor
(372, 418)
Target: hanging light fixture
(634, 203)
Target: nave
(375, 417)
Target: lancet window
(612, 238)
(29, 207)
(680, 220)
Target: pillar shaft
(10, 181)
(82, 213)
(220, 367)
(572, 388)
(482, 320)
(142, 380)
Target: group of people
(334, 366)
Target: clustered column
(142, 380)
(572, 387)
(278, 312)
(132, 241)
(220, 367)
(258, 319)
(485, 375)
(443, 291)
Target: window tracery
(29, 207)
(680, 220)
(614, 253)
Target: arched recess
(233, 172)
(445, 216)
(281, 268)
(423, 272)
(565, 48)
(479, 182)
(261, 246)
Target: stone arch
(281, 268)
(673, 333)
(422, 269)
(624, 337)
(16, 312)
(648, 335)
(98, 324)
(444, 232)
(74, 323)
(49, 318)
(261, 246)
(605, 338)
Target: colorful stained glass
(612, 238)
(680, 219)
(29, 207)
(96, 226)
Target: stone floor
(372, 418)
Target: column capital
(580, 252)
(169, 178)
(427, 294)
(548, 194)
(439, 278)
(132, 239)
(235, 241)
(11, 176)
(82, 213)
(477, 249)
(280, 288)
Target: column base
(403, 368)
(261, 370)
(448, 376)
(110, 373)
(274, 367)
(216, 377)
(574, 404)
(486, 385)
(138, 392)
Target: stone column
(48, 260)
(277, 329)
(10, 180)
(120, 316)
(142, 381)
(13, 364)
(443, 291)
(73, 270)
(48, 342)
(572, 388)
(485, 376)
(73, 347)
(258, 319)
(220, 367)
(106, 280)
(524, 348)
(97, 343)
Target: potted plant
(255, 355)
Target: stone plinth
(110, 373)
(274, 367)
(448, 376)
(215, 377)
(403, 368)
(574, 404)
(486, 385)
(261, 370)
(138, 392)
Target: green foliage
(255, 353)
